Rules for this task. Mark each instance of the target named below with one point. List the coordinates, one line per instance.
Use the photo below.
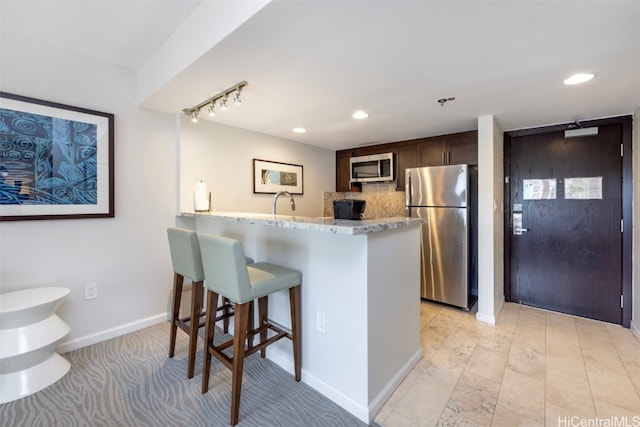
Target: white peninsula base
(360, 299)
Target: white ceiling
(312, 63)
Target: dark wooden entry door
(567, 256)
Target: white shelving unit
(30, 332)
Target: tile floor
(532, 368)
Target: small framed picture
(271, 177)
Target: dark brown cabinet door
(463, 148)
(565, 238)
(405, 158)
(453, 149)
(431, 152)
(342, 170)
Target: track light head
(210, 103)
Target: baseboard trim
(378, 402)
(358, 410)
(85, 341)
(354, 408)
(491, 319)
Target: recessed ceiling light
(359, 115)
(299, 130)
(579, 78)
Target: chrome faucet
(275, 200)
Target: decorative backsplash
(383, 201)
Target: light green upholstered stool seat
(187, 262)
(226, 274)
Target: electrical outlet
(90, 291)
(321, 322)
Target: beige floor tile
(530, 336)
(474, 399)
(567, 358)
(614, 389)
(461, 342)
(603, 357)
(446, 364)
(633, 372)
(430, 341)
(606, 410)
(487, 363)
(396, 419)
(523, 394)
(505, 417)
(443, 323)
(425, 400)
(569, 392)
(508, 318)
(556, 416)
(530, 369)
(527, 360)
(496, 339)
(450, 418)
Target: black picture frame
(270, 177)
(56, 160)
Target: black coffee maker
(348, 209)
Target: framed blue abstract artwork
(56, 161)
(272, 177)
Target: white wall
(127, 255)
(223, 157)
(490, 220)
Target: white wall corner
(490, 174)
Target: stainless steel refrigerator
(446, 198)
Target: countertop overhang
(324, 224)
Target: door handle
(519, 231)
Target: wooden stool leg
(175, 314)
(225, 311)
(209, 330)
(251, 323)
(294, 302)
(263, 314)
(194, 324)
(239, 336)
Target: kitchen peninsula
(360, 298)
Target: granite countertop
(325, 224)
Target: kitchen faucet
(275, 200)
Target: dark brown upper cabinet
(456, 148)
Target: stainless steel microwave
(373, 168)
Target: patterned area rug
(130, 381)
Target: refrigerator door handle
(407, 190)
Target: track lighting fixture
(210, 103)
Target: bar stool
(186, 260)
(227, 275)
